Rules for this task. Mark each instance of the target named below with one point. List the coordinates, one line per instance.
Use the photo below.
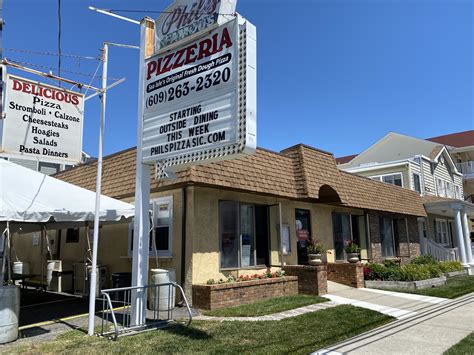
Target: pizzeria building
(224, 219)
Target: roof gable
(392, 147)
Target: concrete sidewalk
(396, 304)
(431, 326)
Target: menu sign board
(200, 99)
(43, 121)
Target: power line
(64, 70)
(167, 12)
(74, 56)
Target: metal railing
(116, 308)
(439, 252)
(466, 167)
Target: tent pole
(41, 254)
(95, 242)
(4, 240)
(9, 251)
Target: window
(243, 235)
(457, 191)
(341, 224)
(161, 228)
(440, 187)
(48, 168)
(394, 179)
(72, 235)
(441, 228)
(416, 183)
(386, 237)
(449, 189)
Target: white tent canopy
(28, 196)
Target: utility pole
(1, 57)
(95, 243)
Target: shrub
(450, 266)
(424, 259)
(390, 263)
(409, 272)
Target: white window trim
(448, 236)
(380, 177)
(152, 253)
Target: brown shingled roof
(434, 153)
(458, 140)
(298, 172)
(346, 159)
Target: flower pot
(352, 257)
(314, 259)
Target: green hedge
(417, 270)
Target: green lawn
(271, 306)
(455, 287)
(465, 346)
(302, 334)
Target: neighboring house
(226, 218)
(428, 168)
(461, 147)
(46, 166)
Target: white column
(459, 234)
(467, 238)
(142, 196)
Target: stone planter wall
(312, 280)
(406, 285)
(349, 274)
(218, 296)
(455, 273)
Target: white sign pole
(95, 243)
(142, 189)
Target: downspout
(184, 191)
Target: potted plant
(352, 251)
(315, 250)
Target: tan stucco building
(225, 218)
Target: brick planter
(312, 280)
(349, 274)
(237, 293)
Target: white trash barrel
(21, 267)
(9, 313)
(50, 267)
(161, 298)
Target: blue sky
(333, 74)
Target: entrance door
(303, 233)
(262, 235)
